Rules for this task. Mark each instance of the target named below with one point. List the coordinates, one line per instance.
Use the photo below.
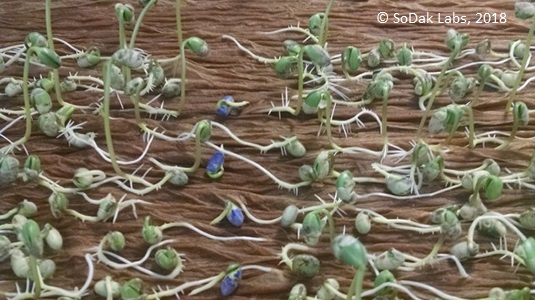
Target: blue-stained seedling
(224, 106)
(232, 213)
(235, 215)
(223, 111)
(230, 282)
(214, 168)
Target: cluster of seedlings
(132, 73)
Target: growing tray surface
(228, 71)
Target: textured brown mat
(227, 71)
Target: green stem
(300, 81)
(471, 134)
(471, 114)
(148, 189)
(178, 15)
(25, 91)
(330, 221)
(35, 276)
(109, 292)
(48, 25)
(223, 214)
(81, 216)
(10, 213)
(57, 87)
(435, 90)
(522, 67)
(122, 37)
(106, 119)
(384, 121)
(197, 154)
(511, 137)
(27, 106)
(328, 121)
(433, 252)
(182, 77)
(55, 73)
(135, 100)
(325, 25)
(138, 23)
(454, 129)
(478, 92)
(356, 285)
(209, 285)
(122, 45)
